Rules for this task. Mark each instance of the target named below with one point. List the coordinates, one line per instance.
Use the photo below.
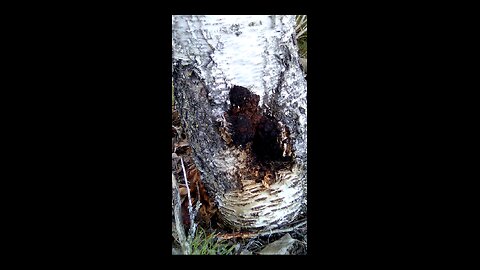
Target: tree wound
(265, 140)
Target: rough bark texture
(241, 95)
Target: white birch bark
(211, 54)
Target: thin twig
(303, 19)
(191, 211)
(301, 32)
(195, 212)
(193, 225)
(198, 192)
(301, 24)
(252, 235)
(188, 191)
(184, 244)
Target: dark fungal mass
(250, 125)
(243, 129)
(265, 144)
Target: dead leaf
(183, 191)
(194, 178)
(182, 144)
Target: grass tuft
(208, 244)
(301, 32)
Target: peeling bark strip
(241, 95)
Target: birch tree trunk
(241, 95)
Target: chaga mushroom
(242, 128)
(243, 115)
(248, 124)
(265, 144)
(239, 96)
